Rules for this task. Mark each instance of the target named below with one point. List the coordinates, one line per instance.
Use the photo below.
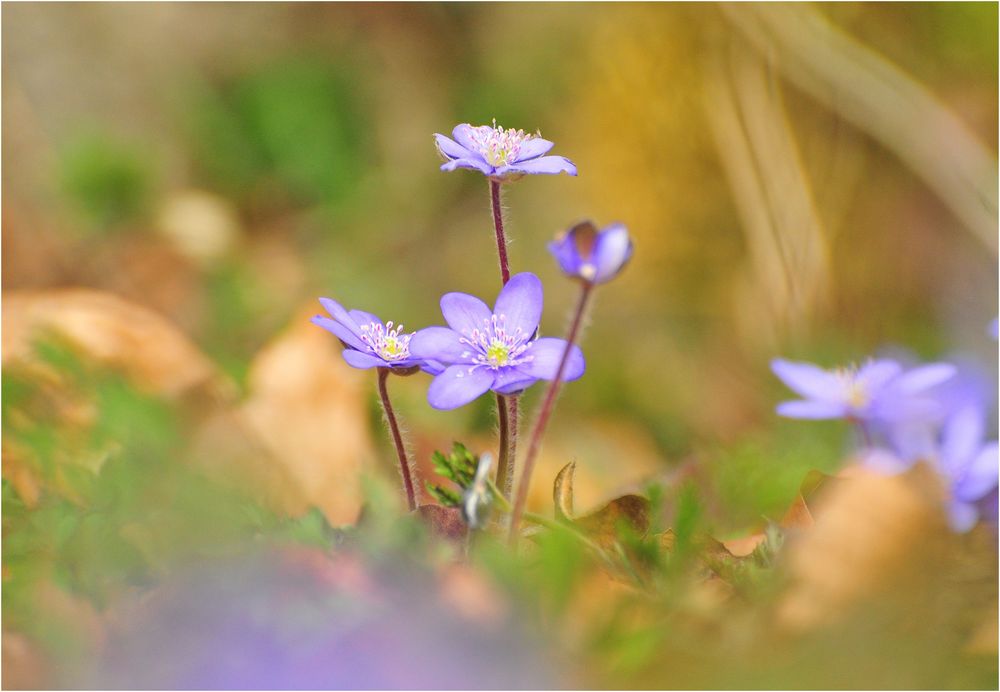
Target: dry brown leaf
(867, 526)
(797, 516)
(603, 524)
(308, 409)
(151, 351)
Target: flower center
(855, 393)
(497, 145)
(386, 341)
(493, 347)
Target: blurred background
(182, 181)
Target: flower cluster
(483, 348)
(932, 413)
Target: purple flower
(368, 341)
(968, 464)
(498, 153)
(496, 349)
(878, 391)
(596, 256)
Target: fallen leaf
(151, 351)
(867, 528)
(309, 410)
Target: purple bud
(595, 256)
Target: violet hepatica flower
(968, 464)
(500, 154)
(498, 349)
(878, 391)
(595, 256)
(368, 341)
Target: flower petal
(550, 165)
(874, 375)
(464, 313)
(432, 367)
(520, 303)
(362, 361)
(339, 331)
(470, 163)
(545, 356)
(451, 149)
(962, 516)
(463, 135)
(533, 148)
(458, 385)
(961, 437)
(338, 313)
(981, 475)
(611, 252)
(807, 380)
(510, 380)
(814, 410)
(567, 256)
(439, 344)
(924, 377)
(363, 319)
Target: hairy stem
(498, 227)
(548, 404)
(397, 439)
(507, 417)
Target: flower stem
(498, 227)
(548, 404)
(507, 417)
(397, 439)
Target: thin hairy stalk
(397, 439)
(548, 404)
(498, 227)
(507, 418)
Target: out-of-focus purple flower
(968, 463)
(878, 391)
(500, 154)
(595, 256)
(496, 349)
(368, 341)
(994, 328)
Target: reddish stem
(397, 439)
(498, 227)
(548, 404)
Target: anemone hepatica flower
(496, 349)
(596, 256)
(878, 391)
(369, 342)
(968, 463)
(498, 153)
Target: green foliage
(458, 467)
(298, 123)
(108, 182)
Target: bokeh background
(182, 181)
